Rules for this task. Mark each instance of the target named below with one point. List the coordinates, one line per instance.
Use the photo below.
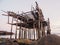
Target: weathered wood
(16, 28)
(11, 28)
(37, 22)
(6, 33)
(25, 33)
(48, 27)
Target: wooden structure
(29, 27)
(6, 33)
(48, 27)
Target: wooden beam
(20, 31)
(34, 30)
(16, 28)
(48, 27)
(11, 28)
(8, 19)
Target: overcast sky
(50, 9)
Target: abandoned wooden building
(32, 28)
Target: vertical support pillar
(36, 34)
(16, 29)
(22, 31)
(8, 19)
(34, 30)
(42, 29)
(25, 34)
(11, 27)
(29, 34)
(19, 32)
(48, 27)
(39, 28)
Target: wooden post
(8, 19)
(36, 34)
(16, 28)
(29, 34)
(19, 32)
(11, 28)
(22, 33)
(42, 29)
(25, 34)
(34, 30)
(48, 27)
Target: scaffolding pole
(19, 32)
(34, 30)
(11, 26)
(24, 33)
(8, 19)
(16, 28)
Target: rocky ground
(49, 40)
(4, 41)
(46, 40)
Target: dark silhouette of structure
(29, 27)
